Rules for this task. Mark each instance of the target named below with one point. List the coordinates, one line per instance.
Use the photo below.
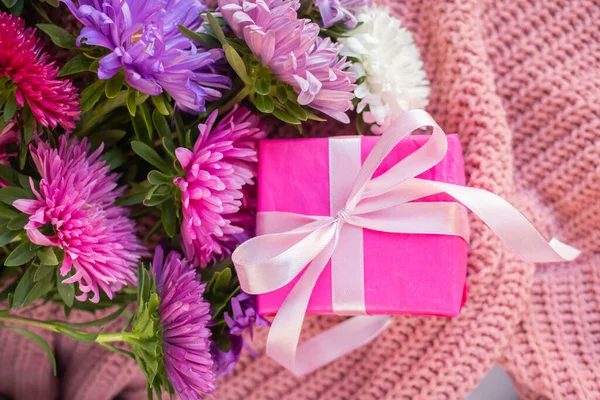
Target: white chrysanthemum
(385, 55)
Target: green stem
(49, 326)
(112, 337)
(29, 322)
(241, 95)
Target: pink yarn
(520, 84)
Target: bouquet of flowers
(128, 153)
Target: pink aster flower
(52, 101)
(8, 135)
(222, 162)
(294, 52)
(74, 211)
(184, 316)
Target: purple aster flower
(144, 39)
(76, 203)
(242, 319)
(336, 11)
(222, 162)
(294, 52)
(184, 316)
(225, 361)
(244, 315)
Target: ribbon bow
(385, 203)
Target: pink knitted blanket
(519, 81)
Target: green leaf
(161, 125)
(81, 336)
(42, 272)
(206, 41)
(47, 257)
(114, 84)
(158, 178)
(161, 104)
(169, 147)
(19, 256)
(133, 196)
(17, 8)
(59, 36)
(236, 62)
(296, 111)
(77, 64)
(216, 27)
(264, 104)
(114, 158)
(9, 3)
(97, 322)
(146, 118)
(10, 108)
(28, 125)
(91, 95)
(6, 235)
(7, 212)
(65, 290)
(285, 117)
(10, 289)
(94, 66)
(150, 155)
(223, 281)
(156, 199)
(18, 222)
(9, 194)
(40, 288)
(23, 288)
(40, 341)
(9, 175)
(108, 137)
(131, 101)
(168, 217)
(281, 94)
(261, 86)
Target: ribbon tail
(515, 231)
(284, 335)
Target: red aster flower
(52, 101)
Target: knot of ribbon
(296, 244)
(342, 215)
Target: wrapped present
(367, 227)
(416, 274)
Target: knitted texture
(518, 81)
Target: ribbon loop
(388, 203)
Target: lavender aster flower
(294, 52)
(144, 39)
(184, 316)
(336, 11)
(222, 162)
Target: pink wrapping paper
(404, 273)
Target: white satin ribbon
(386, 203)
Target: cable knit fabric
(519, 81)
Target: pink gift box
(404, 273)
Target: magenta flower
(52, 101)
(222, 163)
(144, 39)
(184, 316)
(336, 11)
(74, 208)
(8, 135)
(294, 52)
